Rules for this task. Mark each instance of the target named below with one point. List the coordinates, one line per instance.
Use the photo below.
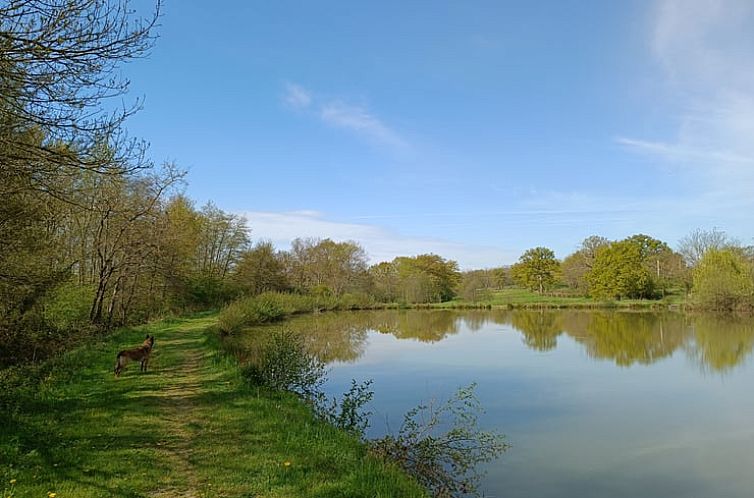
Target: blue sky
(471, 129)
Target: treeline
(713, 270)
(92, 233)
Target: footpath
(189, 427)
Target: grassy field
(189, 427)
(523, 298)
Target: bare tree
(696, 244)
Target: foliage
(425, 278)
(576, 266)
(286, 365)
(477, 285)
(347, 413)
(724, 280)
(636, 267)
(441, 445)
(261, 269)
(619, 272)
(316, 263)
(537, 269)
(67, 306)
(255, 310)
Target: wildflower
(286, 464)
(12, 482)
(50, 494)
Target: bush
(68, 306)
(264, 308)
(347, 413)
(443, 461)
(724, 280)
(286, 365)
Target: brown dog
(137, 354)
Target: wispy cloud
(705, 49)
(360, 121)
(357, 119)
(380, 243)
(297, 96)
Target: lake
(594, 404)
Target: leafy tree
(261, 269)
(476, 285)
(384, 281)
(537, 269)
(636, 267)
(427, 278)
(326, 265)
(619, 272)
(576, 266)
(724, 280)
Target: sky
(474, 130)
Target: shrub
(724, 280)
(347, 413)
(68, 306)
(445, 462)
(286, 365)
(265, 308)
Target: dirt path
(180, 422)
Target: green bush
(286, 365)
(724, 280)
(68, 306)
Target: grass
(524, 298)
(189, 427)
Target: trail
(179, 400)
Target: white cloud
(706, 51)
(296, 96)
(360, 121)
(381, 244)
(356, 119)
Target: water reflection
(716, 343)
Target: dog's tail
(118, 363)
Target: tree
(695, 245)
(636, 267)
(619, 272)
(537, 269)
(59, 61)
(576, 266)
(384, 282)
(724, 280)
(261, 269)
(427, 278)
(476, 285)
(327, 266)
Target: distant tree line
(715, 271)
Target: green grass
(524, 298)
(189, 427)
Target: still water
(595, 404)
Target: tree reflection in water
(716, 343)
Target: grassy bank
(274, 306)
(189, 427)
(525, 299)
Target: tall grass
(270, 307)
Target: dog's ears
(147, 337)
